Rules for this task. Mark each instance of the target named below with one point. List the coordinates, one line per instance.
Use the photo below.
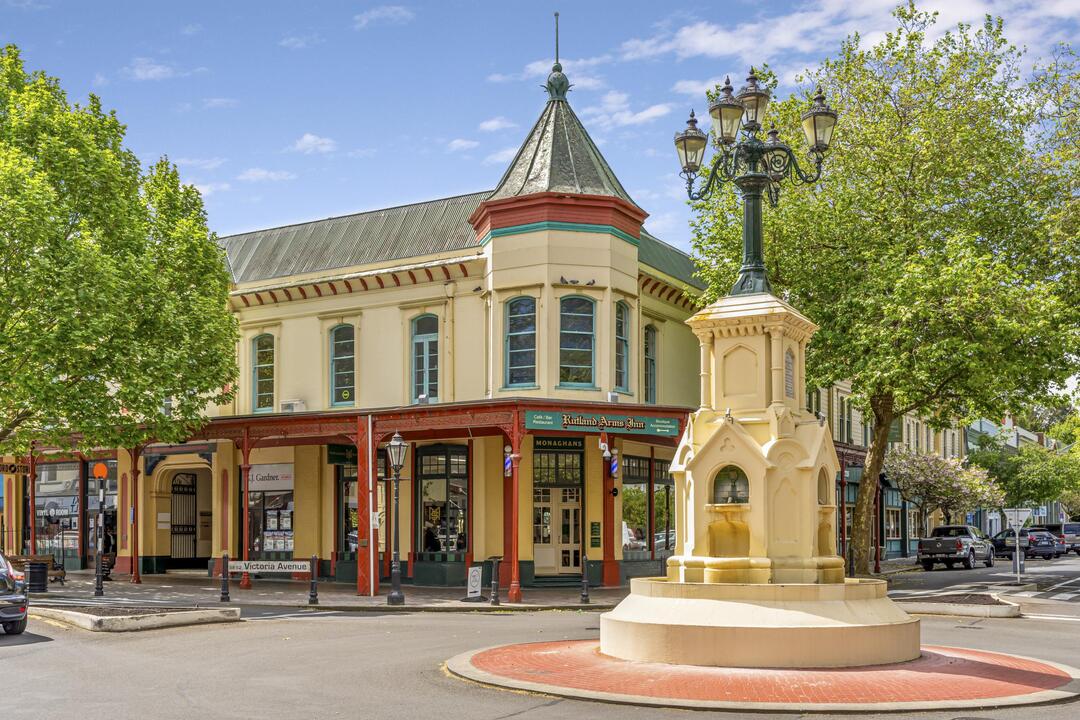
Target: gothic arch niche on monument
(741, 381)
(729, 533)
(785, 511)
(825, 540)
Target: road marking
(1065, 618)
(1064, 596)
(1063, 584)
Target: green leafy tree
(933, 483)
(931, 253)
(1067, 432)
(114, 318)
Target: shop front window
(270, 509)
(892, 523)
(635, 507)
(56, 509)
(663, 510)
(350, 520)
(92, 504)
(443, 482)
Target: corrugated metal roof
(667, 259)
(364, 238)
(559, 156)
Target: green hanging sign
(602, 422)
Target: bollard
(224, 577)
(313, 595)
(495, 580)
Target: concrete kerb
(461, 667)
(1007, 609)
(135, 623)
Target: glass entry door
(569, 546)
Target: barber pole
(508, 465)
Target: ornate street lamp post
(396, 449)
(754, 165)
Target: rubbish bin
(37, 577)
(1018, 560)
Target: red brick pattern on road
(941, 674)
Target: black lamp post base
(396, 597)
(751, 281)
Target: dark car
(1060, 544)
(1035, 543)
(12, 599)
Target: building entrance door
(569, 545)
(183, 517)
(557, 531)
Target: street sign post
(101, 471)
(1016, 518)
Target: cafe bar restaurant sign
(593, 422)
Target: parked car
(1069, 532)
(1034, 543)
(1060, 545)
(951, 544)
(13, 600)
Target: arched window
(521, 342)
(650, 364)
(576, 341)
(262, 373)
(730, 486)
(343, 365)
(425, 357)
(622, 347)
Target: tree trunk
(863, 516)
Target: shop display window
(443, 494)
(56, 509)
(271, 516)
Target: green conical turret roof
(558, 155)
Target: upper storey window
(622, 347)
(577, 320)
(425, 358)
(343, 365)
(521, 342)
(262, 373)
(650, 364)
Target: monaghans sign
(592, 422)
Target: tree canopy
(114, 318)
(935, 483)
(935, 253)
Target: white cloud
(383, 15)
(219, 102)
(310, 144)
(99, 80)
(501, 157)
(263, 175)
(614, 111)
(497, 123)
(696, 88)
(192, 29)
(300, 42)
(208, 189)
(144, 68)
(459, 144)
(211, 163)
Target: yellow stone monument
(755, 580)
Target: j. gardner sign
(592, 422)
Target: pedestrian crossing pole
(100, 473)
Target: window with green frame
(577, 321)
(425, 357)
(622, 346)
(262, 373)
(521, 342)
(650, 364)
(343, 365)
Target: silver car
(13, 600)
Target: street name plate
(270, 566)
(476, 574)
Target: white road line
(1064, 618)
(1064, 596)
(1063, 584)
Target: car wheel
(927, 565)
(989, 559)
(969, 561)
(15, 628)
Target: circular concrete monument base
(940, 678)
(847, 624)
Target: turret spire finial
(557, 84)
(556, 37)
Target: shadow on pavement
(27, 638)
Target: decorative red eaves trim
(363, 282)
(446, 272)
(379, 280)
(348, 285)
(287, 293)
(558, 207)
(397, 283)
(412, 277)
(464, 270)
(246, 303)
(318, 290)
(333, 288)
(273, 296)
(259, 298)
(430, 277)
(303, 293)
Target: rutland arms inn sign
(592, 422)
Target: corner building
(504, 334)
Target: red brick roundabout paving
(944, 677)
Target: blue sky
(286, 111)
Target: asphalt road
(1057, 584)
(366, 665)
